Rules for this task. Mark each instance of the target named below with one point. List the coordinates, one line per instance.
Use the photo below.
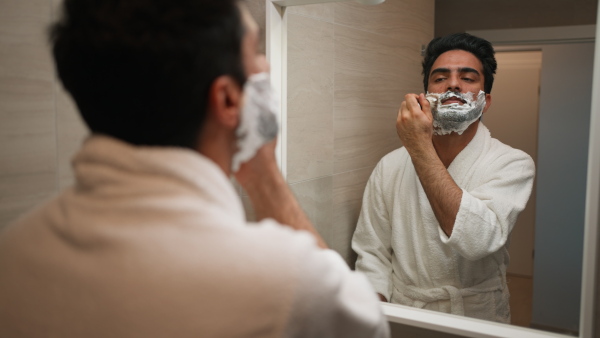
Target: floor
(521, 295)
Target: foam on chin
(455, 117)
(258, 123)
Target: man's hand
(415, 129)
(259, 167)
(414, 123)
(270, 195)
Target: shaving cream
(258, 124)
(455, 117)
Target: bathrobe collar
(108, 164)
(458, 169)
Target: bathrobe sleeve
(333, 301)
(372, 237)
(489, 211)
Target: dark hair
(479, 47)
(140, 70)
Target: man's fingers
(425, 106)
(403, 110)
(412, 103)
(409, 107)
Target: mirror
(352, 64)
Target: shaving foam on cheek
(258, 123)
(455, 117)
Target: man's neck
(217, 144)
(449, 146)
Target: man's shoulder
(394, 158)
(506, 153)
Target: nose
(453, 83)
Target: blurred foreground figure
(152, 241)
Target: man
(151, 241)
(437, 213)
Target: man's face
(457, 71)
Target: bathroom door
(513, 119)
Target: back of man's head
(479, 47)
(140, 70)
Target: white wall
(565, 105)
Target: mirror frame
(276, 50)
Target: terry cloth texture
(410, 260)
(153, 242)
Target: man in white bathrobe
(152, 241)
(437, 213)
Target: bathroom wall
(349, 67)
(39, 129)
(501, 14)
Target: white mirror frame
(276, 49)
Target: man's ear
(488, 102)
(225, 101)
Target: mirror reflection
(349, 67)
(436, 214)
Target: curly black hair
(479, 47)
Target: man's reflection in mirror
(437, 213)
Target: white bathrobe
(152, 242)
(411, 261)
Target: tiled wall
(39, 127)
(349, 66)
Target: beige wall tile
(248, 208)
(27, 125)
(361, 141)
(27, 117)
(71, 132)
(21, 193)
(319, 11)
(348, 189)
(27, 184)
(24, 52)
(20, 20)
(310, 98)
(372, 75)
(56, 9)
(407, 20)
(315, 197)
(16, 206)
(29, 152)
(258, 10)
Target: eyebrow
(460, 70)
